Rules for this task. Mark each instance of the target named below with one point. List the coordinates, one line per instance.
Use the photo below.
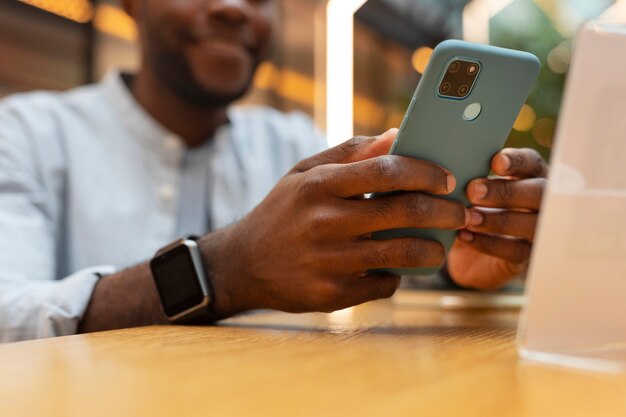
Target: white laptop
(576, 309)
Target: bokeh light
(421, 57)
(525, 119)
(544, 130)
(559, 59)
(80, 11)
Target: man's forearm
(130, 297)
(126, 299)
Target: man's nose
(235, 12)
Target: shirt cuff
(39, 309)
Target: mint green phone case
(434, 127)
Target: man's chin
(205, 88)
(219, 86)
(213, 97)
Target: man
(99, 178)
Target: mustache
(237, 36)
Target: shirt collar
(142, 124)
(136, 118)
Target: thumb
(356, 149)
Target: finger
(359, 289)
(407, 252)
(372, 286)
(520, 163)
(502, 193)
(515, 251)
(356, 149)
(489, 275)
(503, 222)
(387, 173)
(408, 210)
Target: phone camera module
(459, 79)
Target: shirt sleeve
(33, 301)
(32, 309)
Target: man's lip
(219, 49)
(224, 43)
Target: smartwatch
(181, 281)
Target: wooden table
(404, 357)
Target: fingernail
(476, 219)
(466, 236)
(451, 183)
(392, 131)
(468, 217)
(505, 162)
(480, 191)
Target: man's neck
(194, 124)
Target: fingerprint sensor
(472, 112)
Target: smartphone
(460, 115)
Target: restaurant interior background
(58, 44)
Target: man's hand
(308, 246)
(496, 245)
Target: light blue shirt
(91, 184)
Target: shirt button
(167, 193)
(172, 143)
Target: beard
(173, 69)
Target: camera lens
(454, 67)
(445, 88)
(463, 90)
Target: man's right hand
(308, 246)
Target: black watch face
(177, 281)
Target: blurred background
(58, 44)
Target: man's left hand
(496, 244)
